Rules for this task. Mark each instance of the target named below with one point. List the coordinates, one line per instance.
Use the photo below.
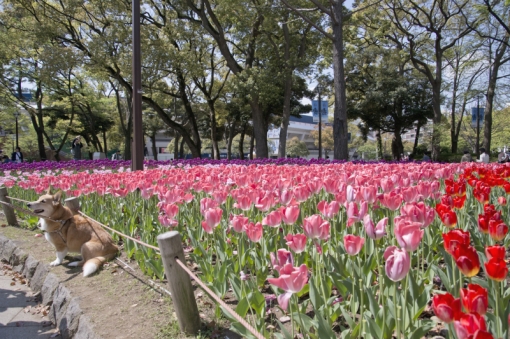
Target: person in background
(5, 159)
(466, 157)
(17, 156)
(117, 155)
(484, 157)
(76, 148)
(502, 156)
(426, 156)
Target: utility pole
(477, 148)
(320, 121)
(137, 145)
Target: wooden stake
(8, 210)
(184, 301)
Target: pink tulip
(418, 212)
(350, 193)
(207, 203)
(166, 221)
(238, 222)
(254, 231)
(375, 232)
(408, 233)
(328, 210)
(286, 197)
(264, 203)
(282, 258)
(316, 228)
(302, 193)
(273, 219)
(398, 263)
(170, 210)
(212, 219)
(387, 184)
(369, 193)
(353, 244)
(297, 242)
(391, 200)
(410, 194)
(243, 203)
(291, 280)
(290, 214)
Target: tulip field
(346, 250)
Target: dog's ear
(57, 197)
(49, 190)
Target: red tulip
(483, 223)
(497, 252)
(496, 269)
(297, 242)
(446, 307)
(468, 325)
(316, 228)
(448, 217)
(397, 264)
(474, 299)
(458, 202)
(454, 239)
(497, 230)
(353, 244)
(467, 260)
(254, 231)
(408, 233)
(291, 280)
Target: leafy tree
(296, 148)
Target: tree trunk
(287, 90)
(212, 117)
(153, 146)
(230, 136)
(340, 137)
(105, 145)
(379, 144)
(491, 91)
(252, 141)
(397, 148)
(416, 140)
(436, 104)
(181, 150)
(241, 142)
(453, 136)
(259, 133)
(176, 146)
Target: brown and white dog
(73, 233)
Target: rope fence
(177, 272)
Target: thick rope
(16, 199)
(219, 301)
(183, 266)
(121, 234)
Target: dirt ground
(120, 301)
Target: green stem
(396, 310)
(361, 307)
(291, 319)
(498, 327)
(404, 306)
(300, 319)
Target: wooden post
(73, 204)
(8, 210)
(170, 245)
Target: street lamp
(16, 115)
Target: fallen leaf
(134, 305)
(38, 235)
(13, 283)
(4, 225)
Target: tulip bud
(502, 201)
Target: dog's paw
(73, 264)
(55, 263)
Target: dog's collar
(59, 231)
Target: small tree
(296, 148)
(328, 142)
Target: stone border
(65, 311)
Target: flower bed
(350, 250)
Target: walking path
(21, 315)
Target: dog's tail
(93, 264)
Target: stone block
(7, 249)
(85, 329)
(40, 274)
(61, 299)
(70, 322)
(48, 288)
(30, 267)
(17, 259)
